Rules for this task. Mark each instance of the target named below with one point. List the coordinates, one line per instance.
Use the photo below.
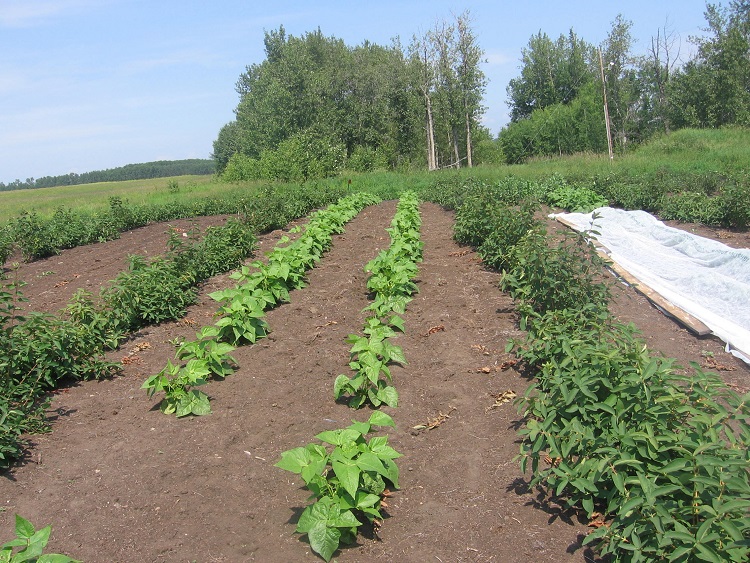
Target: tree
(471, 79)
(423, 63)
(655, 72)
(623, 86)
(447, 62)
(551, 73)
(713, 89)
(228, 143)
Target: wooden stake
(606, 109)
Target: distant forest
(316, 106)
(144, 171)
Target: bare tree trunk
(456, 155)
(468, 139)
(431, 156)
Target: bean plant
(348, 482)
(391, 283)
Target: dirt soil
(121, 482)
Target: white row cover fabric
(703, 277)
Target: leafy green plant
(242, 319)
(575, 198)
(348, 482)
(31, 543)
(370, 356)
(177, 382)
(6, 243)
(207, 349)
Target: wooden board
(694, 325)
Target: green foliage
(511, 224)
(552, 278)
(559, 129)
(692, 207)
(159, 169)
(177, 382)
(29, 544)
(207, 349)
(663, 457)
(242, 310)
(302, 156)
(391, 284)
(711, 90)
(347, 482)
(484, 206)
(370, 356)
(575, 198)
(37, 352)
(149, 293)
(6, 244)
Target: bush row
(710, 199)
(658, 460)
(263, 208)
(38, 351)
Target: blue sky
(94, 84)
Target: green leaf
(348, 475)
(379, 418)
(55, 558)
(340, 386)
(324, 540)
(707, 554)
(366, 500)
(396, 354)
(294, 460)
(389, 396)
(24, 528)
(397, 322)
(345, 519)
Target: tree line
(315, 105)
(557, 101)
(143, 171)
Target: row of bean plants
(242, 310)
(659, 458)
(391, 285)
(349, 482)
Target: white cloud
(499, 58)
(30, 13)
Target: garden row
(349, 483)
(262, 209)
(242, 310)
(659, 460)
(37, 350)
(101, 324)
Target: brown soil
(121, 482)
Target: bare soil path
(121, 482)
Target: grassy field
(96, 196)
(686, 154)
